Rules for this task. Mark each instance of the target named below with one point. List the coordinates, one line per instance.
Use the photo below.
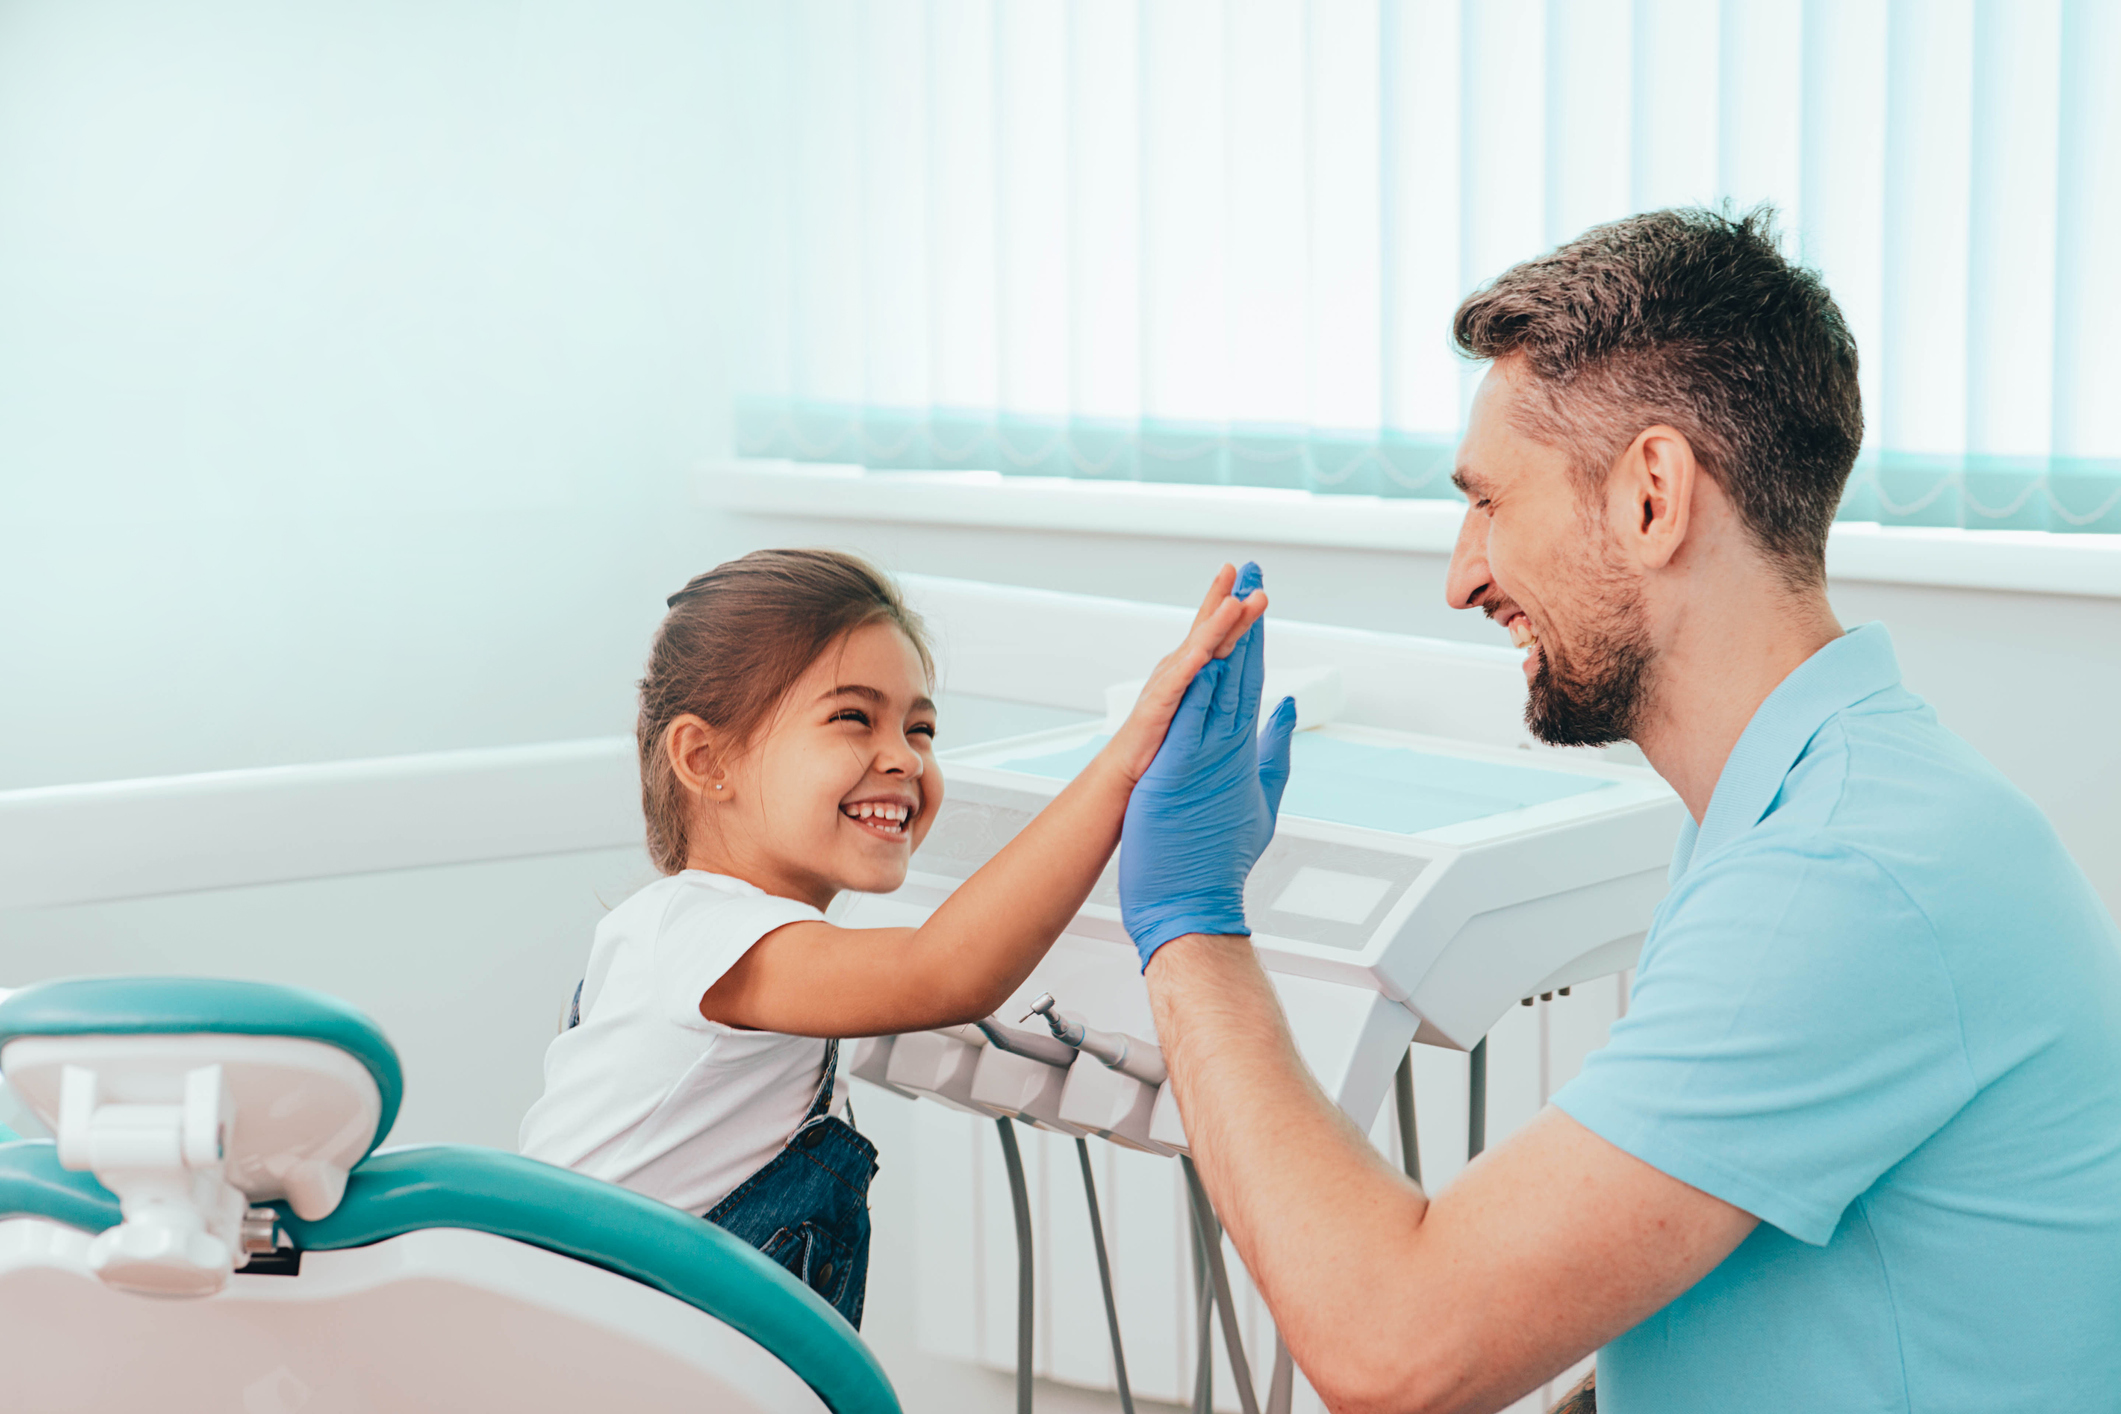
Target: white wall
(352, 361)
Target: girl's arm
(815, 979)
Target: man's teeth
(1521, 634)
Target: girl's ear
(696, 758)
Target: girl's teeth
(894, 816)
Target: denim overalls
(808, 1206)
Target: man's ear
(1651, 494)
(696, 757)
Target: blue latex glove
(1203, 812)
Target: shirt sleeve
(1793, 1033)
(703, 933)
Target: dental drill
(1129, 1055)
(1029, 1044)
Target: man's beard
(1594, 694)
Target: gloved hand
(1203, 812)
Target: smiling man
(1857, 1144)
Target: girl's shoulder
(694, 901)
(692, 927)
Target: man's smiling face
(1535, 555)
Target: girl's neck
(762, 876)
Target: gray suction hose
(1281, 1385)
(1020, 1198)
(1104, 1277)
(1141, 1060)
(1409, 1141)
(1203, 1322)
(1211, 1242)
(1477, 1101)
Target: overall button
(813, 1136)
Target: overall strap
(821, 1102)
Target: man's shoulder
(1893, 823)
(1886, 779)
(1886, 822)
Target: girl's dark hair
(734, 642)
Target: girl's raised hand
(1233, 604)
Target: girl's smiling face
(839, 787)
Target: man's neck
(1721, 659)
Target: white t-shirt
(648, 1093)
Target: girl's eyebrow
(870, 694)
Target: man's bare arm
(1543, 1250)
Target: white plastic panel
(434, 1322)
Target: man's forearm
(1550, 1245)
(1311, 1205)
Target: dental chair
(212, 1228)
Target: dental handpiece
(1129, 1055)
(1029, 1044)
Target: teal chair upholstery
(398, 1191)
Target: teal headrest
(180, 1006)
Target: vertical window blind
(1220, 241)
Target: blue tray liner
(1391, 788)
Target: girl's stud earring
(718, 786)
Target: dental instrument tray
(1416, 887)
(1450, 877)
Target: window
(1220, 243)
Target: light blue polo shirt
(1880, 1010)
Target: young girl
(787, 734)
